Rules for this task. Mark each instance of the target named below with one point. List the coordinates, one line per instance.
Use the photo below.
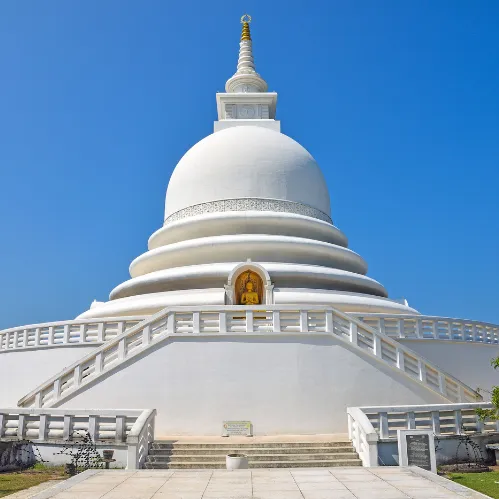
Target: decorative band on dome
(248, 204)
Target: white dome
(247, 162)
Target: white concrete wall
(23, 370)
(286, 385)
(467, 361)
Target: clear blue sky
(397, 100)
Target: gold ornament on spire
(245, 20)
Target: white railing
(368, 425)
(64, 333)
(140, 439)
(363, 436)
(429, 328)
(67, 424)
(254, 320)
(133, 428)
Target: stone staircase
(196, 455)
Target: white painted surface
(216, 275)
(467, 361)
(22, 370)
(257, 247)
(283, 385)
(246, 162)
(247, 222)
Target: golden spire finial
(245, 20)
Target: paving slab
(323, 483)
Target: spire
(245, 79)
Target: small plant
(493, 413)
(83, 453)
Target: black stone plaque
(418, 451)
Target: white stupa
(247, 192)
(248, 306)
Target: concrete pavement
(329, 483)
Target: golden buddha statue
(249, 297)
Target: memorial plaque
(418, 451)
(244, 428)
(417, 448)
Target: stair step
(252, 458)
(158, 444)
(258, 464)
(251, 451)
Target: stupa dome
(247, 162)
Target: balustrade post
(400, 359)
(435, 329)
(16, 339)
(276, 319)
(146, 336)
(42, 427)
(121, 349)
(479, 424)
(57, 389)
(350, 423)
(449, 330)
(383, 425)
(98, 363)
(442, 384)
(67, 433)
(77, 376)
(303, 321)
(100, 332)
(382, 327)
(435, 422)
(353, 333)
(120, 434)
(421, 370)
(411, 420)
(83, 333)
(93, 428)
(2, 335)
(329, 321)
(401, 328)
(249, 321)
(196, 322)
(377, 345)
(120, 328)
(419, 328)
(170, 323)
(25, 337)
(222, 322)
(51, 335)
(3, 420)
(21, 427)
(66, 334)
(37, 337)
(458, 421)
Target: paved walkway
(330, 483)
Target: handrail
(432, 328)
(442, 419)
(139, 439)
(363, 436)
(64, 333)
(42, 425)
(250, 320)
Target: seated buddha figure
(249, 297)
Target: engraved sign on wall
(417, 448)
(418, 451)
(241, 428)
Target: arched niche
(249, 272)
